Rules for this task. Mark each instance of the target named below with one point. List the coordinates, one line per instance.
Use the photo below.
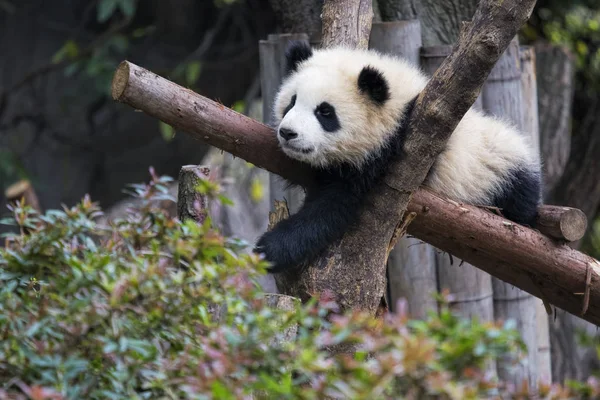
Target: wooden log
(556, 84)
(431, 58)
(471, 288)
(191, 204)
(531, 124)
(503, 97)
(205, 120)
(518, 255)
(272, 72)
(218, 125)
(23, 190)
(531, 120)
(564, 223)
(401, 38)
(411, 264)
(347, 22)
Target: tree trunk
(503, 97)
(347, 22)
(299, 16)
(576, 187)
(556, 79)
(272, 72)
(411, 269)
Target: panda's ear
(297, 52)
(373, 83)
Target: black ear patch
(297, 52)
(372, 82)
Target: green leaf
(192, 72)
(166, 131)
(106, 8)
(239, 106)
(257, 192)
(128, 7)
(68, 51)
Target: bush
(148, 307)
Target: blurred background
(61, 132)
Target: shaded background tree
(57, 124)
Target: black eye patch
(327, 117)
(290, 106)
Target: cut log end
(17, 190)
(562, 223)
(23, 190)
(120, 80)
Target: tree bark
(577, 187)
(470, 287)
(347, 22)
(191, 204)
(563, 223)
(299, 16)
(398, 10)
(442, 19)
(556, 79)
(503, 97)
(411, 265)
(272, 71)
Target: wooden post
(503, 97)
(190, 203)
(556, 80)
(411, 265)
(23, 190)
(272, 72)
(571, 223)
(431, 59)
(470, 287)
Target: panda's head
(336, 106)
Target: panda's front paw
(273, 248)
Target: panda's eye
(325, 110)
(327, 117)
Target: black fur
(327, 117)
(520, 199)
(372, 82)
(330, 208)
(297, 52)
(290, 106)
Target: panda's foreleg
(324, 218)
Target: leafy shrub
(148, 307)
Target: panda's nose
(287, 134)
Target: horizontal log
(562, 223)
(518, 255)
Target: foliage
(11, 168)
(149, 307)
(575, 25)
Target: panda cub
(344, 113)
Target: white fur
(472, 168)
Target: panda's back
(488, 162)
